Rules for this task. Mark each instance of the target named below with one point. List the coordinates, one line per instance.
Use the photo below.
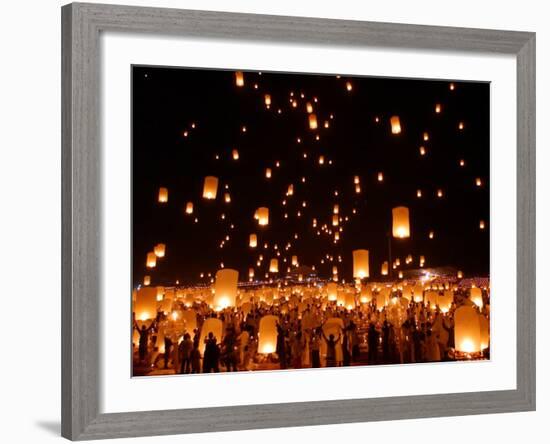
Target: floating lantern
(419, 193)
(210, 188)
(145, 305)
(151, 260)
(380, 177)
(349, 86)
(478, 181)
(146, 280)
(384, 269)
(422, 151)
(321, 160)
(335, 220)
(476, 297)
(452, 86)
(395, 125)
(227, 198)
(461, 125)
(462, 162)
(267, 334)
(210, 325)
(163, 195)
(189, 208)
(253, 241)
(440, 193)
(235, 154)
(401, 226)
(274, 266)
(295, 261)
(309, 107)
(312, 119)
(360, 264)
(335, 209)
(445, 301)
(267, 100)
(225, 288)
(425, 136)
(263, 216)
(239, 79)
(356, 180)
(467, 330)
(431, 235)
(268, 173)
(365, 296)
(400, 275)
(160, 250)
(332, 291)
(437, 108)
(482, 225)
(459, 274)
(418, 293)
(421, 261)
(251, 272)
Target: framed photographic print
(292, 221)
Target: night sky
(167, 101)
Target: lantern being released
(151, 260)
(163, 195)
(225, 288)
(332, 291)
(145, 305)
(263, 216)
(467, 330)
(476, 297)
(267, 334)
(395, 125)
(210, 189)
(360, 264)
(401, 227)
(210, 325)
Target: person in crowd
(331, 349)
(185, 348)
(372, 336)
(211, 355)
(315, 347)
(144, 332)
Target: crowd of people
(321, 335)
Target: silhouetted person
(184, 349)
(211, 355)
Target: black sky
(166, 101)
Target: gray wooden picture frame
(81, 232)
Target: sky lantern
(462, 162)
(467, 330)
(431, 235)
(438, 108)
(461, 125)
(422, 150)
(309, 107)
(401, 227)
(160, 250)
(418, 293)
(482, 225)
(189, 208)
(295, 261)
(452, 86)
(235, 154)
(425, 136)
(357, 189)
(332, 291)
(321, 160)
(476, 297)
(225, 288)
(421, 261)
(253, 241)
(335, 209)
(349, 86)
(312, 119)
(419, 193)
(251, 272)
(274, 266)
(478, 181)
(384, 268)
(380, 177)
(267, 334)
(263, 216)
(440, 193)
(210, 188)
(290, 190)
(146, 280)
(267, 100)
(239, 79)
(151, 260)
(445, 301)
(335, 220)
(210, 325)
(163, 195)
(484, 332)
(360, 264)
(268, 173)
(365, 296)
(145, 305)
(227, 197)
(395, 125)
(459, 274)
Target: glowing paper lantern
(290, 190)
(312, 119)
(335, 220)
(225, 288)
(274, 266)
(401, 228)
(251, 272)
(482, 225)
(476, 297)
(145, 305)
(253, 241)
(189, 318)
(267, 334)
(210, 325)
(380, 177)
(295, 261)
(263, 216)
(484, 332)
(365, 296)
(163, 195)
(418, 293)
(360, 264)
(151, 260)
(395, 125)
(349, 86)
(267, 100)
(235, 154)
(160, 250)
(210, 188)
(332, 291)
(445, 301)
(146, 280)
(227, 198)
(239, 79)
(384, 269)
(437, 108)
(268, 173)
(189, 208)
(467, 330)
(309, 108)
